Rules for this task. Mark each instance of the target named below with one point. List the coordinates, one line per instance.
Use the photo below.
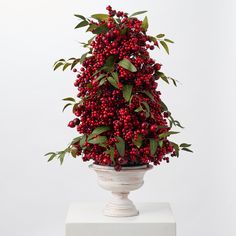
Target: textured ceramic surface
(120, 183)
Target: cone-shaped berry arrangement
(119, 115)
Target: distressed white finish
(155, 219)
(120, 183)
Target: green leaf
(138, 13)
(185, 145)
(148, 94)
(82, 141)
(165, 79)
(102, 81)
(160, 143)
(110, 61)
(61, 157)
(69, 99)
(147, 108)
(76, 140)
(176, 148)
(160, 35)
(74, 63)
(113, 82)
(100, 17)
(100, 130)
(168, 40)
(60, 60)
(186, 149)
(49, 153)
(153, 146)
(58, 65)
(83, 58)
(73, 151)
(164, 135)
(126, 64)
(164, 45)
(98, 140)
(138, 142)
(127, 91)
(100, 77)
(52, 157)
(153, 39)
(163, 106)
(67, 105)
(120, 145)
(115, 76)
(123, 31)
(101, 29)
(81, 24)
(138, 109)
(91, 27)
(145, 24)
(80, 16)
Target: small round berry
(71, 124)
(153, 128)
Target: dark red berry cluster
(120, 117)
(136, 121)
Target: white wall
(35, 195)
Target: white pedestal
(86, 219)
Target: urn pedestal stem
(120, 183)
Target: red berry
(74, 70)
(153, 128)
(71, 124)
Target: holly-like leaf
(80, 16)
(153, 146)
(138, 109)
(145, 24)
(165, 46)
(126, 64)
(168, 40)
(120, 146)
(98, 140)
(67, 105)
(70, 99)
(138, 13)
(82, 24)
(113, 82)
(160, 36)
(160, 143)
(127, 91)
(139, 141)
(100, 17)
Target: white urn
(120, 183)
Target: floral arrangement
(119, 114)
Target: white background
(34, 195)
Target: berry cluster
(120, 115)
